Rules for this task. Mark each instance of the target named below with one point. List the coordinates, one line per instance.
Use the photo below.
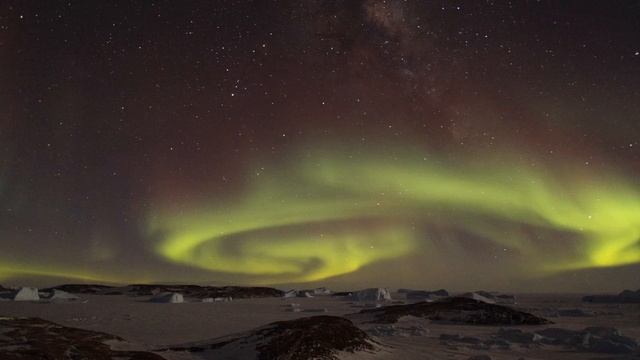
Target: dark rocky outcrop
(194, 291)
(201, 292)
(592, 339)
(33, 338)
(81, 288)
(317, 337)
(456, 310)
(626, 296)
(425, 294)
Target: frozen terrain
(241, 323)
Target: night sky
(457, 144)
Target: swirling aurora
(335, 214)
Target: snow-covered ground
(150, 325)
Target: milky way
(342, 142)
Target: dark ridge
(81, 288)
(625, 297)
(34, 338)
(316, 337)
(456, 310)
(342, 293)
(426, 293)
(196, 291)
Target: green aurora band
(329, 214)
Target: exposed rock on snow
(172, 298)
(317, 337)
(372, 294)
(33, 338)
(626, 296)
(456, 310)
(26, 294)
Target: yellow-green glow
(330, 214)
(10, 271)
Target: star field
(406, 143)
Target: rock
(456, 310)
(317, 337)
(26, 294)
(33, 338)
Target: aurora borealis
(351, 143)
